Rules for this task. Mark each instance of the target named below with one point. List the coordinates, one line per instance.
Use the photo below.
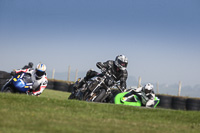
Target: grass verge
(52, 112)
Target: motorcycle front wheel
(8, 90)
(100, 94)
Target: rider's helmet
(121, 62)
(40, 70)
(148, 88)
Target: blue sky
(160, 38)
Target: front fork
(7, 83)
(93, 94)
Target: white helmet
(40, 70)
(148, 88)
(121, 62)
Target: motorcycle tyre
(100, 96)
(8, 90)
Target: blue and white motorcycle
(19, 83)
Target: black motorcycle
(96, 89)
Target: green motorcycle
(135, 101)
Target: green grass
(53, 113)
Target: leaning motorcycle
(97, 89)
(135, 100)
(19, 83)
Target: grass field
(53, 113)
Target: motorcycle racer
(116, 68)
(38, 77)
(145, 93)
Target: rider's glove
(103, 69)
